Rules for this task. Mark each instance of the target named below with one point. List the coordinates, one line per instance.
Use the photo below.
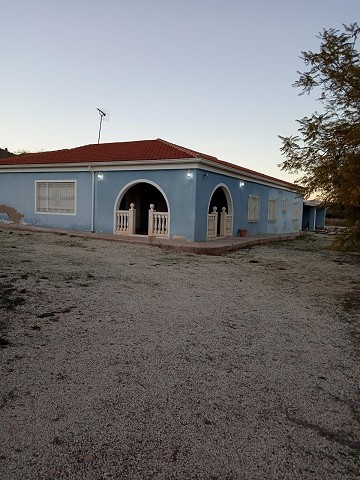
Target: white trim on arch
(131, 184)
(227, 195)
(229, 201)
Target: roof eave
(250, 176)
(97, 165)
(195, 162)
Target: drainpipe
(92, 198)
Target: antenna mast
(102, 115)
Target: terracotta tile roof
(122, 152)
(108, 152)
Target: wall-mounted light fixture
(205, 175)
(241, 183)
(189, 173)
(100, 176)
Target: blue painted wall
(188, 199)
(175, 184)
(320, 217)
(17, 190)
(309, 216)
(313, 217)
(207, 183)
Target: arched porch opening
(142, 209)
(220, 213)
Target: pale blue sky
(211, 75)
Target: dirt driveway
(128, 362)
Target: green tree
(326, 152)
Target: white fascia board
(104, 166)
(313, 203)
(137, 165)
(177, 164)
(246, 176)
(40, 169)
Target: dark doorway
(218, 200)
(143, 195)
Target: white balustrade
(212, 223)
(225, 223)
(122, 220)
(125, 221)
(158, 223)
(228, 226)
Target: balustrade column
(223, 222)
(151, 220)
(212, 223)
(132, 219)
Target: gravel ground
(123, 361)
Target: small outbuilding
(314, 214)
(147, 187)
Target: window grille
(296, 211)
(253, 208)
(272, 204)
(55, 197)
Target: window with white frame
(253, 208)
(55, 197)
(296, 211)
(272, 204)
(285, 205)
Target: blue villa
(147, 187)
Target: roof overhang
(168, 164)
(314, 203)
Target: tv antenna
(103, 114)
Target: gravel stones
(147, 364)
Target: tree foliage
(326, 152)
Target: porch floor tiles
(216, 246)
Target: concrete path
(211, 247)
